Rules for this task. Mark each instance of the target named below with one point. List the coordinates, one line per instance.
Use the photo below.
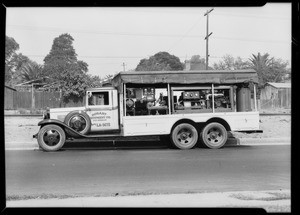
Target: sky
(111, 39)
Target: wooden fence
(39, 100)
(278, 99)
(23, 100)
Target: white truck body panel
(162, 124)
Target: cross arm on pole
(208, 35)
(208, 11)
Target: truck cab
(103, 109)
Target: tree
(11, 46)
(13, 61)
(197, 59)
(268, 69)
(229, 63)
(62, 49)
(195, 63)
(159, 62)
(62, 66)
(31, 71)
(94, 81)
(260, 63)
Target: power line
(225, 14)
(186, 33)
(117, 57)
(95, 56)
(157, 35)
(252, 16)
(37, 28)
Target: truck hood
(61, 113)
(66, 109)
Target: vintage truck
(182, 107)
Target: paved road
(132, 171)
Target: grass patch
(42, 196)
(280, 196)
(278, 208)
(274, 196)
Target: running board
(250, 131)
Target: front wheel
(51, 137)
(184, 136)
(214, 135)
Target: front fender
(52, 121)
(59, 123)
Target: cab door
(102, 108)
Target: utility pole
(207, 36)
(123, 67)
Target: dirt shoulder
(274, 126)
(271, 201)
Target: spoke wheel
(184, 136)
(51, 137)
(214, 135)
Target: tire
(79, 121)
(51, 137)
(184, 136)
(214, 135)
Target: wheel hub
(184, 136)
(51, 137)
(77, 123)
(213, 135)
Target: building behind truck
(182, 107)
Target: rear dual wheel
(185, 136)
(214, 135)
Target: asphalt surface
(110, 172)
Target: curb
(230, 142)
(259, 141)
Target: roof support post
(213, 97)
(255, 102)
(124, 101)
(32, 97)
(169, 98)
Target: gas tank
(243, 100)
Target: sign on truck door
(103, 111)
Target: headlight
(46, 114)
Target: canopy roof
(279, 85)
(186, 77)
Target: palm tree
(31, 71)
(261, 63)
